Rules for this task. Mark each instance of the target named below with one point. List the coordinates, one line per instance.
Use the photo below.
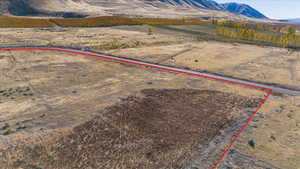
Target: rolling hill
(135, 8)
(208, 4)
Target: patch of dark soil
(161, 129)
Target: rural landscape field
(140, 84)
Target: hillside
(135, 8)
(243, 9)
(209, 4)
(73, 111)
(3, 7)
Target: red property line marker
(234, 138)
(138, 63)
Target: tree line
(282, 36)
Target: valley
(58, 107)
(149, 84)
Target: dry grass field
(118, 20)
(263, 34)
(108, 112)
(69, 103)
(25, 22)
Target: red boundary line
(234, 138)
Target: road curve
(165, 67)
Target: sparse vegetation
(14, 93)
(118, 44)
(149, 132)
(150, 30)
(98, 81)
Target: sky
(275, 9)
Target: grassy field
(118, 20)
(93, 22)
(208, 32)
(205, 32)
(68, 89)
(201, 29)
(13, 22)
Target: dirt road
(166, 67)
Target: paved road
(166, 67)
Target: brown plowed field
(161, 128)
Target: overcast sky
(275, 9)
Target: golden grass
(6, 22)
(93, 22)
(119, 20)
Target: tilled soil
(160, 129)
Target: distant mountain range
(243, 9)
(295, 20)
(152, 8)
(236, 8)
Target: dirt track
(276, 88)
